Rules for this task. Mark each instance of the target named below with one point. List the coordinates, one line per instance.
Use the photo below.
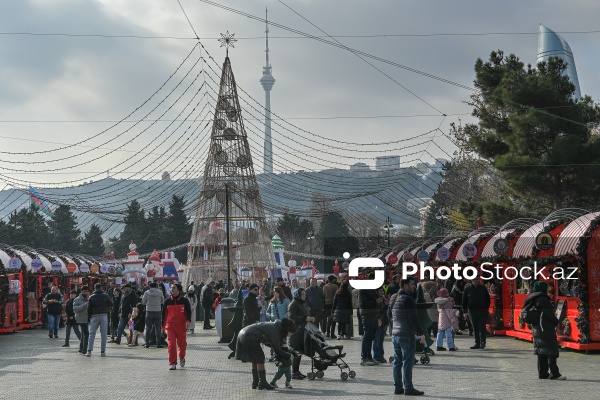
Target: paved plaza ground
(32, 366)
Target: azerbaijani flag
(37, 201)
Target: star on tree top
(227, 40)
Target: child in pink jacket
(447, 321)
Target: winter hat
(191, 288)
(540, 286)
(443, 292)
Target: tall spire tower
(267, 81)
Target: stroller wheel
(344, 376)
(352, 374)
(391, 360)
(423, 360)
(311, 376)
(320, 374)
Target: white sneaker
(88, 354)
(561, 378)
(288, 385)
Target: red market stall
(578, 300)
(31, 283)
(497, 250)
(526, 252)
(10, 288)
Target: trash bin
(223, 317)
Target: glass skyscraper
(551, 44)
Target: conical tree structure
(229, 165)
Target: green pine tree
(63, 228)
(92, 242)
(179, 228)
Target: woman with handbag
(299, 313)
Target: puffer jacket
(446, 313)
(278, 309)
(99, 303)
(80, 306)
(544, 332)
(403, 312)
(342, 308)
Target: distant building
(416, 203)
(360, 167)
(387, 163)
(166, 177)
(551, 44)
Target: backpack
(530, 314)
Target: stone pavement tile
(32, 366)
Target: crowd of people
(276, 314)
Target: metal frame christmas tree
(228, 179)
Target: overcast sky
(60, 90)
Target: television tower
(267, 81)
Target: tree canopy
(535, 133)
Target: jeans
(85, 334)
(449, 338)
(53, 322)
(404, 361)
(378, 352)
(543, 362)
(102, 321)
(75, 328)
(122, 325)
(478, 323)
(370, 329)
(153, 320)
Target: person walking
(329, 291)
(368, 302)
(251, 306)
(341, 309)
(299, 313)
(114, 313)
(277, 310)
(98, 305)
(207, 301)
(447, 320)
(176, 318)
(128, 301)
(193, 299)
(403, 312)
(80, 305)
(54, 303)
(315, 301)
(476, 303)
(248, 347)
(153, 300)
(545, 343)
(71, 322)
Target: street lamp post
(310, 237)
(388, 226)
(441, 215)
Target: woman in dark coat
(272, 334)
(114, 317)
(342, 308)
(299, 313)
(545, 343)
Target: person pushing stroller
(284, 367)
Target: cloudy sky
(71, 69)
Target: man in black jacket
(206, 295)
(98, 306)
(403, 312)
(476, 303)
(286, 289)
(315, 301)
(368, 303)
(53, 302)
(71, 323)
(128, 301)
(251, 306)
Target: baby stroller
(325, 355)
